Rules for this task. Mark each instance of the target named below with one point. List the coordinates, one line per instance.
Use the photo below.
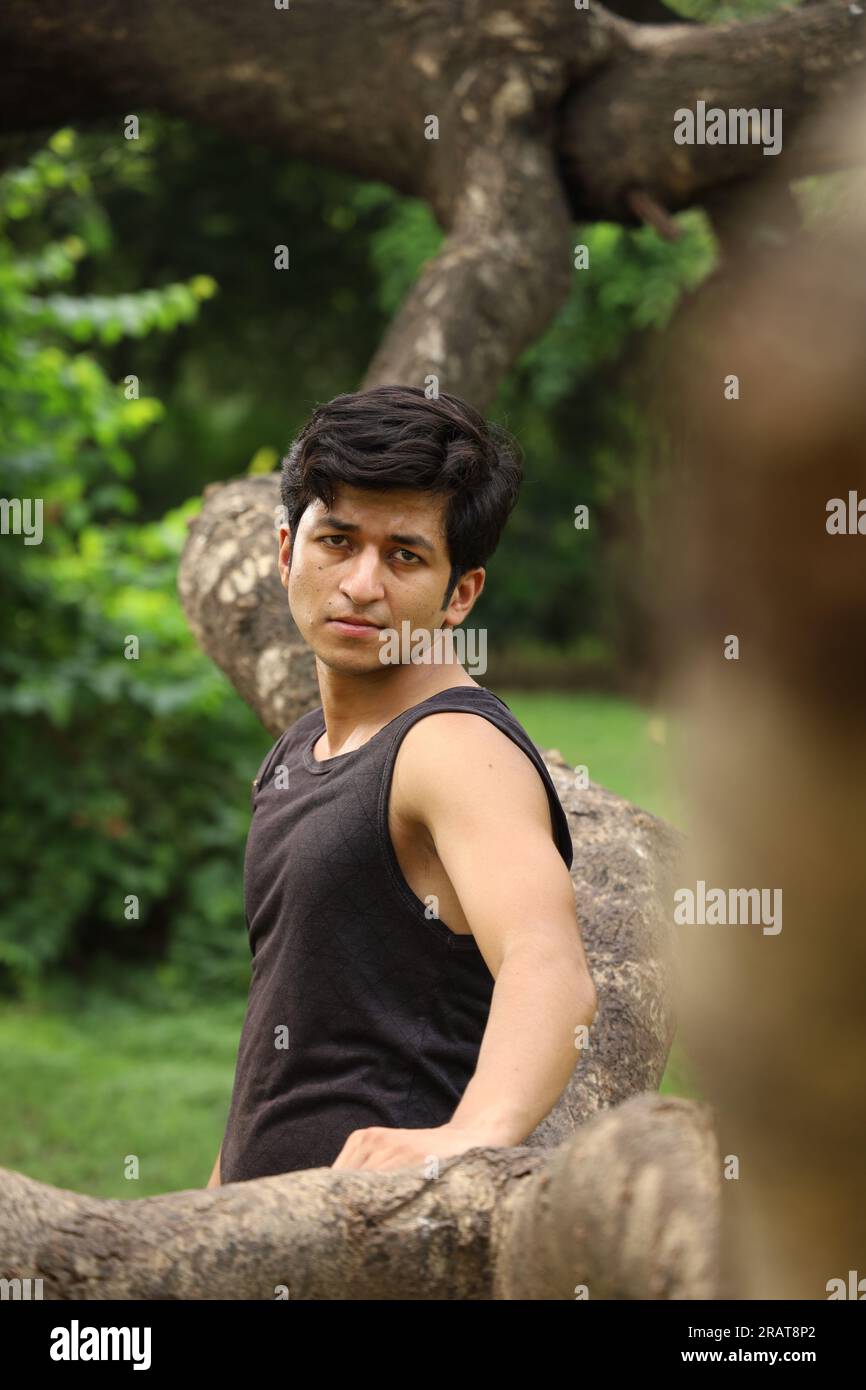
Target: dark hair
(396, 437)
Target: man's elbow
(215, 1179)
(588, 997)
(581, 987)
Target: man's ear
(284, 559)
(474, 582)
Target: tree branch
(501, 275)
(495, 1224)
(617, 126)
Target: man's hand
(384, 1149)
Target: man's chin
(344, 657)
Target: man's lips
(355, 622)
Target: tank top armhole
(560, 831)
(456, 941)
(508, 725)
(559, 821)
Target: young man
(418, 974)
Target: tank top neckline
(326, 764)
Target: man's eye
(402, 551)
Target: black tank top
(364, 1008)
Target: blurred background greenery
(145, 352)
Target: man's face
(377, 555)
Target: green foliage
(119, 769)
(634, 282)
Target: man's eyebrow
(404, 537)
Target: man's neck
(357, 707)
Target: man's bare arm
(215, 1175)
(487, 811)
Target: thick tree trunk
(626, 1208)
(775, 749)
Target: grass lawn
(88, 1082)
(92, 1076)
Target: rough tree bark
(626, 1208)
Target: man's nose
(362, 581)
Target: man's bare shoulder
(453, 755)
(461, 729)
